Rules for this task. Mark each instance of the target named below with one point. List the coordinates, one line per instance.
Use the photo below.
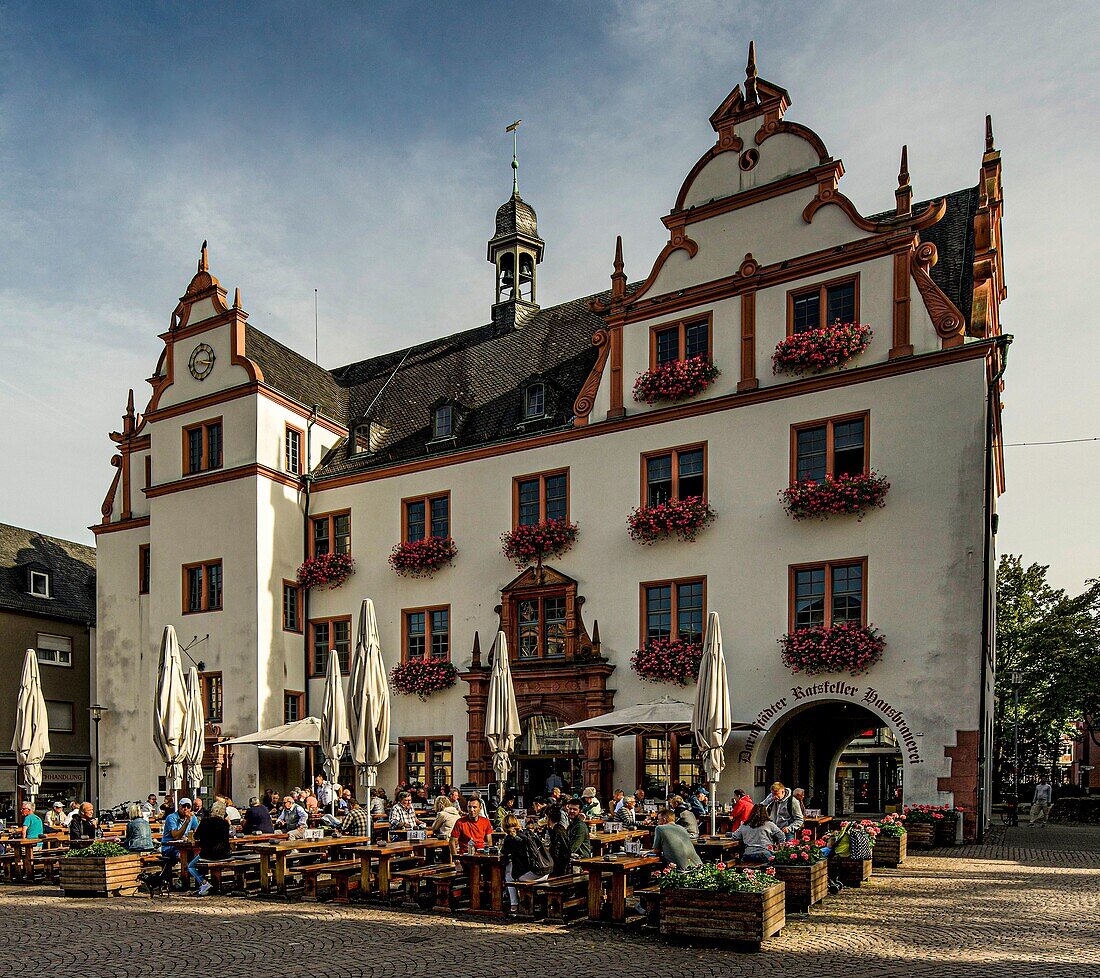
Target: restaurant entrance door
(547, 755)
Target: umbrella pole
(713, 808)
(668, 767)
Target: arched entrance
(845, 756)
(544, 752)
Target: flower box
(921, 835)
(664, 660)
(422, 558)
(747, 917)
(533, 543)
(422, 677)
(946, 829)
(846, 495)
(850, 872)
(806, 884)
(818, 649)
(889, 850)
(675, 381)
(682, 517)
(100, 875)
(325, 570)
(816, 350)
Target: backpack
(538, 858)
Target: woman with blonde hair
(139, 833)
(446, 814)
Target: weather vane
(515, 160)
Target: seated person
(580, 845)
(356, 821)
(83, 823)
(591, 804)
(402, 815)
(177, 825)
(293, 818)
(628, 812)
(760, 835)
(515, 853)
(56, 819)
(740, 810)
(30, 825)
(473, 829)
(673, 844)
(139, 833)
(446, 815)
(256, 818)
(700, 803)
(684, 816)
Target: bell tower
(515, 250)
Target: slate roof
(71, 567)
(294, 375)
(515, 215)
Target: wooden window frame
(427, 501)
(674, 740)
(206, 466)
(542, 476)
(298, 597)
(829, 425)
(72, 717)
(402, 753)
(313, 622)
(331, 517)
(204, 564)
(204, 684)
(675, 453)
(453, 417)
(820, 288)
(288, 428)
(426, 612)
(675, 610)
(145, 572)
(681, 324)
(300, 697)
(527, 391)
(828, 566)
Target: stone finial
(237, 298)
(618, 276)
(989, 145)
(475, 655)
(904, 193)
(751, 95)
(204, 261)
(129, 419)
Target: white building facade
(248, 459)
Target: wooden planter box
(850, 872)
(946, 831)
(747, 918)
(100, 875)
(921, 835)
(806, 885)
(889, 851)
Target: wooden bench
(241, 868)
(9, 863)
(450, 889)
(556, 897)
(318, 876)
(50, 863)
(650, 898)
(419, 883)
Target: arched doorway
(546, 751)
(845, 756)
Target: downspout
(307, 481)
(1003, 343)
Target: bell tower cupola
(515, 250)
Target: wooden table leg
(280, 872)
(364, 873)
(475, 886)
(618, 897)
(265, 872)
(595, 893)
(496, 882)
(28, 864)
(384, 876)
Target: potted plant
(715, 902)
(325, 570)
(890, 846)
(422, 677)
(101, 869)
(667, 660)
(534, 542)
(920, 824)
(845, 495)
(682, 517)
(815, 350)
(848, 647)
(675, 381)
(422, 558)
(947, 827)
(803, 865)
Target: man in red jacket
(741, 810)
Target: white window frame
(51, 656)
(45, 577)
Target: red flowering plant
(675, 381)
(422, 558)
(422, 677)
(536, 541)
(802, 850)
(668, 660)
(815, 350)
(892, 826)
(849, 647)
(684, 517)
(325, 570)
(927, 814)
(717, 877)
(845, 495)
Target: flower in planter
(684, 517)
(848, 647)
(668, 660)
(675, 381)
(710, 877)
(534, 542)
(325, 570)
(845, 495)
(422, 558)
(422, 677)
(799, 852)
(815, 350)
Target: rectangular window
(293, 706)
(540, 497)
(292, 607)
(54, 650)
(60, 716)
(202, 447)
(822, 305)
(534, 401)
(443, 421)
(664, 761)
(666, 604)
(428, 761)
(831, 447)
(39, 584)
(144, 569)
(680, 341)
(331, 533)
(674, 475)
(831, 593)
(202, 587)
(292, 454)
(428, 634)
(212, 695)
(427, 515)
(329, 634)
(541, 627)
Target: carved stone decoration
(945, 315)
(586, 399)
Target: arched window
(526, 288)
(506, 277)
(534, 401)
(361, 438)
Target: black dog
(153, 881)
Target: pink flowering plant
(844, 495)
(717, 877)
(927, 814)
(816, 350)
(533, 543)
(422, 677)
(849, 647)
(325, 570)
(802, 850)
(683, 517)
(668, 660)
(892, 826)
(675, 381)
(422, 558)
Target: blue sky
(359, 149)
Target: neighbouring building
(695, 396)
(47, 603)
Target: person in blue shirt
(700, 803)
(177, 825)
(31, 823)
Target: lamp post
(1014, 676)
(97, 710)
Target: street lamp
(1014, 677)
(97, 710)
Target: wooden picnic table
(384, 853)
(280, 852)
(26, 849)
(819, 824)
(601, 841)
(619, 869)
(716, 848)
(477, 865)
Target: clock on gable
(202, 361)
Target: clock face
(202, 361)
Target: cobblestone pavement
(1026, 902)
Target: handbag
(859, 845)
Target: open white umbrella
(334, 721)
(300, 733)
(501, 713)
(31, 741)
(194, 740)
(171, 708)
(712, 720)
(368, 702)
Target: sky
(359, 149)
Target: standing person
(673, 844)
(212, 835)
(516, 853)
(446, 815)
(684, 816)
(256, 818)
(323, 790)
(473, 829)
(554, 781)
(783, 809)
(759, 836)
(580, 845)
(741, 809)
(83, 824)
(56, 819)
(139, 833)
(177, 826)
(1040, 802)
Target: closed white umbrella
(31, 741)
(501, 713)
(171, 708)
(712, 719)
(194, 740)
(368, 702)
(334, 721)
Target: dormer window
(38, 583)
(360, 442)
(443, 421)
(534, 401)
